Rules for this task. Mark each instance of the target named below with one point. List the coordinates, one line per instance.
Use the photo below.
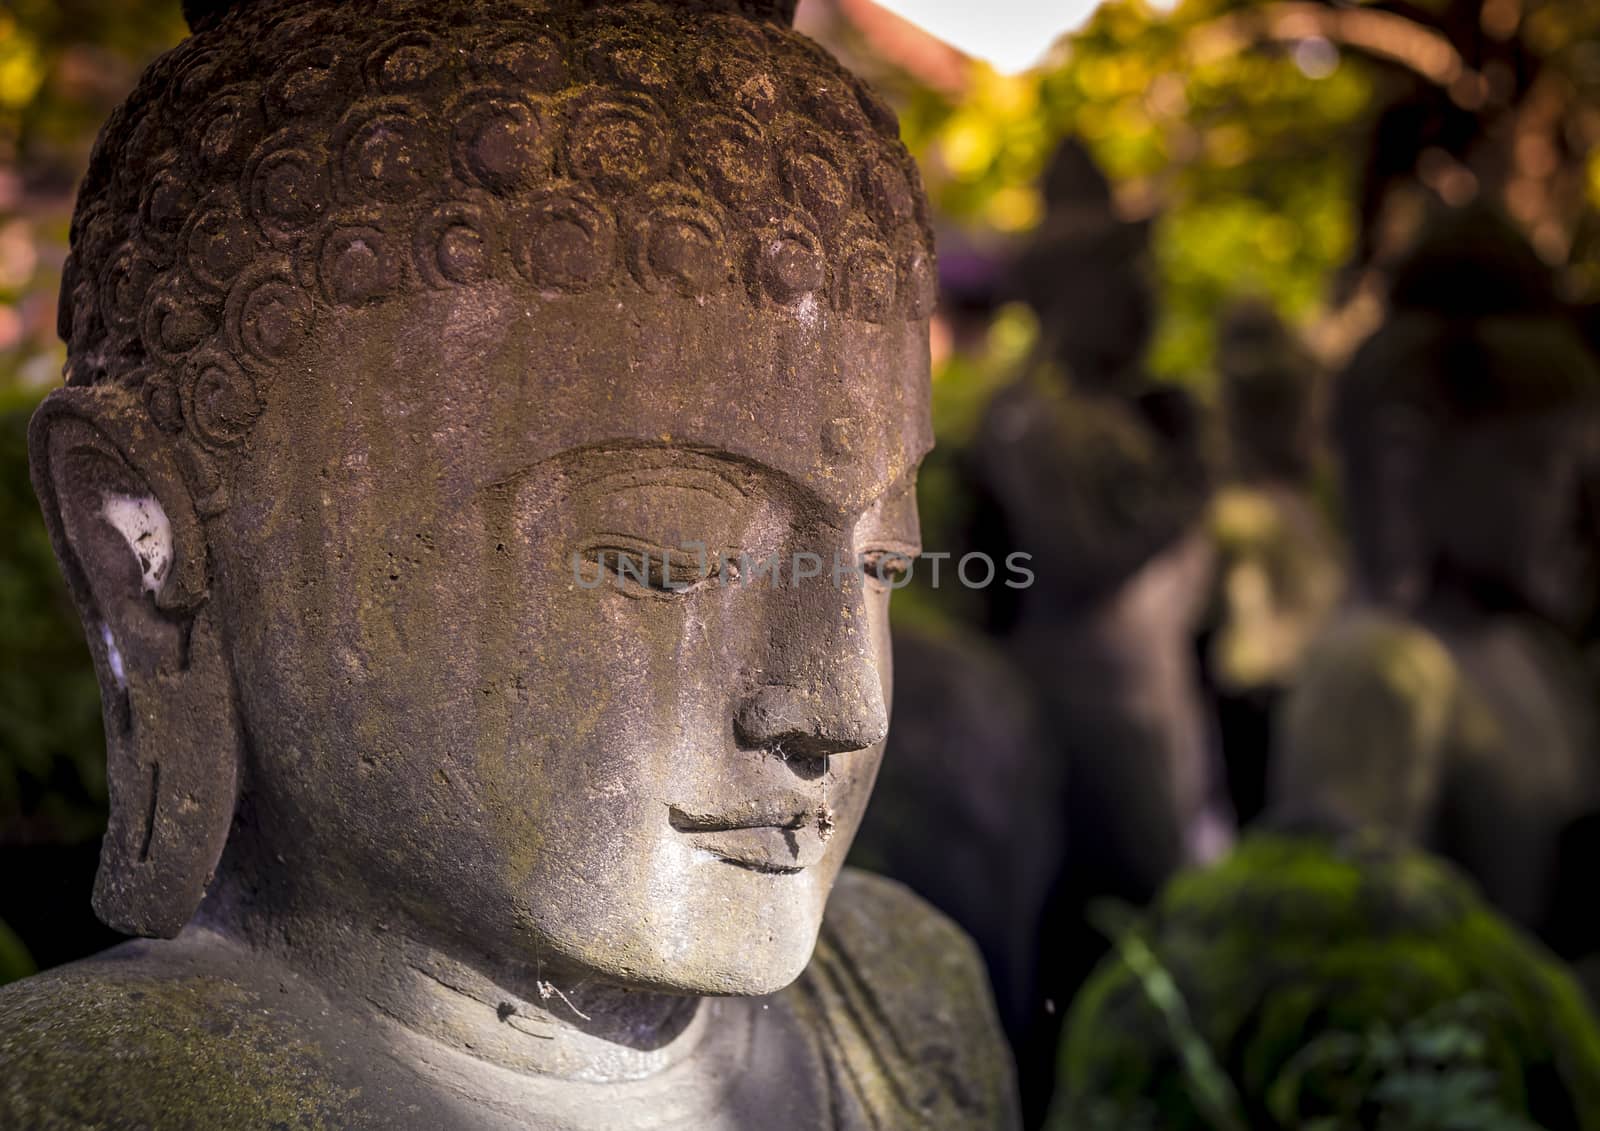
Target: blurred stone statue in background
(965, 810)
(1329, 972)
(413, 349)
(1279, 569)
(1449, 703)
(1102, 477)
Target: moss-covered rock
(1305, 980)
(121, 1041)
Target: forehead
(491, 382)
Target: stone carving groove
(222, 212)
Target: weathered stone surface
(405, 342)
(890, 1026)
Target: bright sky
(1011, 35)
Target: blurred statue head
(1466, 428)
(426, 362)
(1268, 392)
(1086, 274)
(1094, 487)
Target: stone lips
(294, 155)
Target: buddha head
(1466, 430)
(1086, 273)
(1268, 388)
(477, 413)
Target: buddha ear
(131, 545)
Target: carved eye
(640, 569)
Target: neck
(546, 1018)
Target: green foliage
(1251, 161)
(63, 65)
(15, 962)
(1208, 1086)
(52, 751)
(46, 100)
(1432, 1072)
(1303, 984)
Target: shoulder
(904, 1012)
(883, 925)
(161, 1035)
(1389, 649)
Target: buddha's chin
(752, 970)
(754, 973)
(719, 941)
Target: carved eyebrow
(724, 467)
(704, 474)
(590, 462)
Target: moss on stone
(149, 1051)
(1292, 940)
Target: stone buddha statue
(1279, 561)
(490, 427)
(1447, 704)
(1102, 476)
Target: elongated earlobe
(174, 780)
(127, 537)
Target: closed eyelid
(629, 560)
(660, 515)
(633, 543)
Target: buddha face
(476, 701)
